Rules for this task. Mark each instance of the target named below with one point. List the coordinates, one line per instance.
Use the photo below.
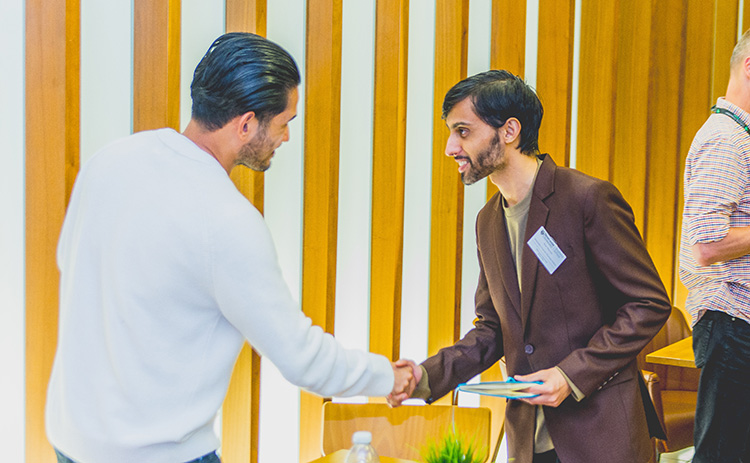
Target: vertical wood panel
(320, 210)
(630, 130)
(695, 103)
(508, 47)
(446, 225)
(555, 77)
(388, 168)
(597, 83)
(241, 409)
(668, 38)
(52, 157)
(725, 36)
(156, 64)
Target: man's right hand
(407, 375)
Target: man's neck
(738, 92)
(210, 142)
(514, 181)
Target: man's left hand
(553, 390)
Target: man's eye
(463, 132)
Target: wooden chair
(402, 432)
(673, 390)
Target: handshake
(407, 375)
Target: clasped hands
(407, 375)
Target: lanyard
(726, 112)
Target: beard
(489, 160)
(257, 153)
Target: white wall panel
(279, 407)
(12, 312)
(355, 175)
(106, 73)
(202, 23)
(418, 187)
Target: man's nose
(286, 135)
(452, 147)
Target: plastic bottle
(362, 451)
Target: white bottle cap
(362, 437)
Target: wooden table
(679, 354)
(339, 456)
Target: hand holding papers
(510, 389)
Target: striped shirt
(717, 197)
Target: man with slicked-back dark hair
(166, 269)
(567, 292)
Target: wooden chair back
(402, 432)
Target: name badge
(546, 250)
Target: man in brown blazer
(567, 291)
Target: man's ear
(512, 131)
(247, 125)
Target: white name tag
(546, 250)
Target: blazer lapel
(504, 257)
(538, 212)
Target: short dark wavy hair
(497, 96)
(242, 72)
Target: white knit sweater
(165, 270)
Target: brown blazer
(590, 317)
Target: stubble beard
(488, 161)
(257, 153)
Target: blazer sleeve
(478, 350)
(632, 295)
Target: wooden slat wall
(388, 169)
(451, 24)
(554, 81)
(156, 64)
(667, 60)
(240, 417)
(725, 36)
(52, 157)
(596, 97)
(320, 210)
(696, 99)
(629, 157)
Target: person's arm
(715, 183)
(252, 295)
(735, 244)
(633, 298)
(478, 350)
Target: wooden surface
(388, 175)
(679, 354)
(320, 191)
(52, 158)
(597, 85)
(667, 45)
(446, 225)
(401, 432)
(725, 37)
(340, 455)
(156, 64)
(630, 156)
(554, 81)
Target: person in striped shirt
(715, 267)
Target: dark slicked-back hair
(497, 96)
(242, 72)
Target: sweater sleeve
(253, 296)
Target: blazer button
(529, 349)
